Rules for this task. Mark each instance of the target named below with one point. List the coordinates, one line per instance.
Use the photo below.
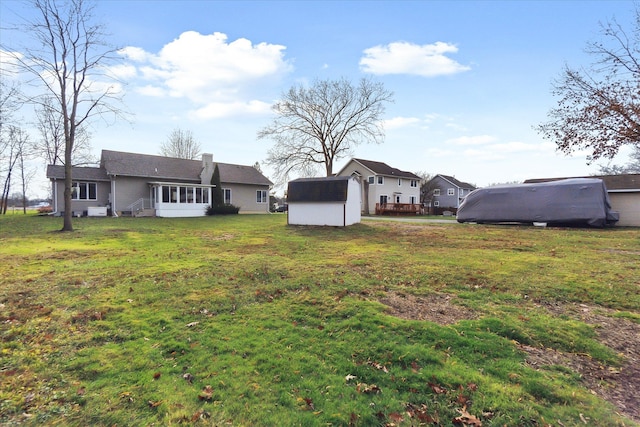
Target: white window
(84, 191)
(414, 183)
(399, 182)
(372, 180)
(412, 200)
(436, 192)
(436, 203)
(261, 196)
(451, 192)
(226, 195)
(380, 180)
(397, 198)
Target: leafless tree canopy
(632, 166)
(70, 64)
(599, 107)
(317, 125)
(181, 144)
(51, 144)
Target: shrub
(45, 209)
(222, 210)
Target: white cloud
(208, 70)
(400, 122)
(428, 60)
(135, 54)
(522, 147)
(122, 72)
(472, 140)
(150, 90)
(9, 62)
(219, 110)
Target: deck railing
(397, 208)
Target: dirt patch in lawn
(619, 385)
(437, 308)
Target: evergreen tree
(217, 197)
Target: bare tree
(16, 145)
(599, 107)
(51, 145)
(318, 125)
(427, 187)
(71, 65)
(632, 166)
(181, 144)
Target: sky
(470, 79)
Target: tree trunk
(68, 180)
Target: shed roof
(380, 168)
(329, 189)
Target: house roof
(329, 189)
(161, 167)
(457, 183)
(615, 183)
(118, 163)
(79, 173)
(380, 168)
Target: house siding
(444, 199)
(80, 206)
(244, 197)
(627, 204)
(389, 187)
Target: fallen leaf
(437, 389)
(350, 377)
(206, 393)
(467, 419)
(156, 375)
(395, 417)
(369, 389)
(153, 404)
(189, 325)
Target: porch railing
(138, 205)
(397, 208)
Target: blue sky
(470, 79)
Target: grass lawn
(245, 321)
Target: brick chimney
(207, 168)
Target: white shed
(331, 201)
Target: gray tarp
(576, 201)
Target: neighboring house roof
(456, 183)
(329, 189)
(629, 182)
(78, 173)
(380, 168)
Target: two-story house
(384, 189)
(446, 192)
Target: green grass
(243, 320)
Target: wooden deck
(397, 209)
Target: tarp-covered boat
(575, 201)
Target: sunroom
(173, 199)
